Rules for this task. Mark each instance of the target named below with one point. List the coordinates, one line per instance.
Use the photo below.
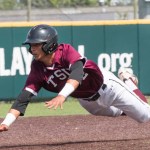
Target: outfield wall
(111, 44)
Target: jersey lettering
(51, 81)
(61, 74)
(65, 71)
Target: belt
(95, 96)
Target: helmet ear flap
(45, 47)
(50, 45)
(48, 48)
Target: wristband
(67, 90)
(9, 119)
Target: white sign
(109, 62)
(21, 60)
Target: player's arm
(18, 109)
(71, 85)
(74, 80)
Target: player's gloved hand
(56, 102)
(3, 127)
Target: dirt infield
(80, 132)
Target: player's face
(37, 51)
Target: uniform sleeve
(77, 71)
(22, 101)
(71, 55)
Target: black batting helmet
(43, 34)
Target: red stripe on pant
(140, 95)
(135, 89)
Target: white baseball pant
(117, 98)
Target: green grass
(70, 107)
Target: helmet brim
(25, 43)
(32, 42)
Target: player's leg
(125, 99)
(119, 95)
(135, 89)
(130, 104)
(95, 109)
(127, 76)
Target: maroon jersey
(54, 77)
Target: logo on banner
(111, 61)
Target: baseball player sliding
(60, 68)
